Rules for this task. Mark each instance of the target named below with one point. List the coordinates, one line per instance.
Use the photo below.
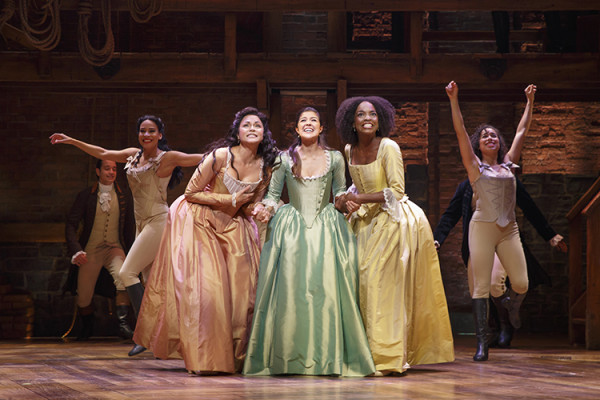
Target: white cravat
(104, 196)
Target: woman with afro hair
(402, 298)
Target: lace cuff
(392, 205)
(271, 206)
(75, 256)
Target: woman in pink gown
(200, 297)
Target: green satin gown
(306, 318)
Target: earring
(353, 129)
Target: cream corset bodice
(148, 189)
(495, 195)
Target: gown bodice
(309, 196)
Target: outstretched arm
(517, 145)
(469, 159)
(93, 150)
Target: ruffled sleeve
(277, 181)
(393, 166)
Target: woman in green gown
(306, 317)
(401, 294)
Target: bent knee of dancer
(128, 278)
(520, 286)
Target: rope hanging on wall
(96, 57)
(143, 13)
(8, 10)
(43, 31)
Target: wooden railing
(584, 282)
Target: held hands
(60, 138)
(530, 92)
(559, 243)
(452, 90)
(261, 213)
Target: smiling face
(309, 126)
(366, 121)
(149, 135)
(107, 173)
(251, 130)
(489, 140)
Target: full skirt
(199, 299)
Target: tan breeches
(486, 241)
(143, 251)
(109, 256)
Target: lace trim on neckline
(152, 162)
(314, 177)
(507, 165)
(225, 174)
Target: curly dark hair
(474, 138)
(177, 173)
(297, 168)
(267, 149)
(344, 118)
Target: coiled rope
(142, 14)
(43, 31)
(96, 57)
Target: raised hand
(60, 138)
(530, 92)
(452, 90)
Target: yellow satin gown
(402, 298)
(199, 300)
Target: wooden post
(336, 32)
(342, 91)
(262, 99)
(273, 32)
(332, 138)
(416, 44)
(230, 52)
(592, 312)
(575, 270)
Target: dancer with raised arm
(493, 228)
(151, 168)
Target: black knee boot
(506, 329)
(136, 294)
(512, 302)
(87, 321)
(122, 302)
(480, 314)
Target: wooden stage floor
(537, 367)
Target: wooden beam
(32, 232)
(16, 35)
(230, 51)
(576, 72)
(354, 5)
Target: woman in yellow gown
(401, 295)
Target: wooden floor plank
(535, 368)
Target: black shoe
(137, 349)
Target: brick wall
(304, 32)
